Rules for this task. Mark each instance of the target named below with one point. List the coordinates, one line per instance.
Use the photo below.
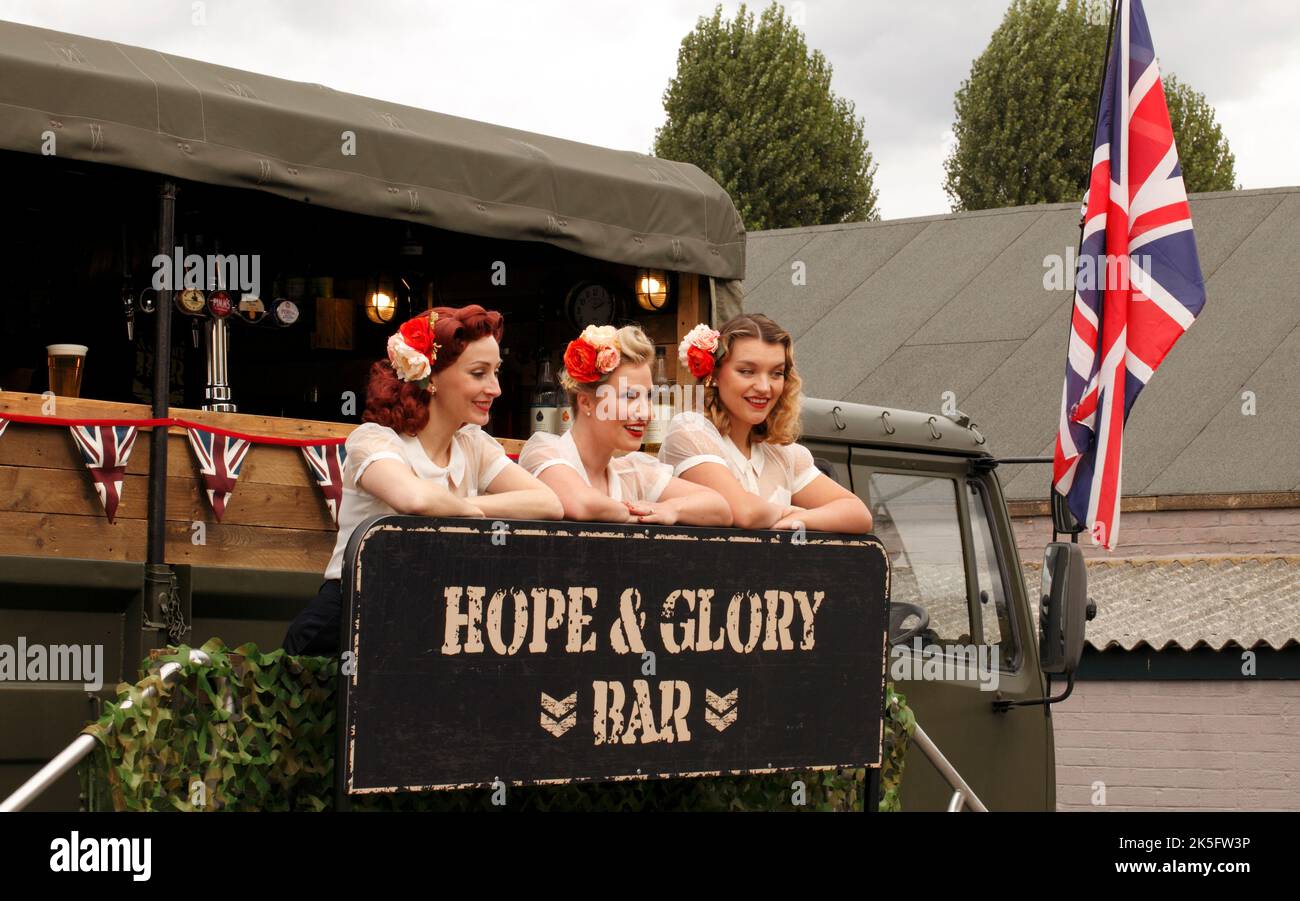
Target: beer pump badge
(191, 301)
(285, 311)
(219, 304)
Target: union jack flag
(1139, 282)
(106, 450)
(326, 462)
(220, 457)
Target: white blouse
(634, 477)
(774, 472)
(476, 459)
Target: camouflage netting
(254, 731)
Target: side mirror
(1063, 520)
(1064, 611)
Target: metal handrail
(66, 759)
(84, 744)
(963, 795)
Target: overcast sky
(595, 70)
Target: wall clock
(590, 303)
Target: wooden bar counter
(276, 519)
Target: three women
(421, 449)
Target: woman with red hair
(421, 449)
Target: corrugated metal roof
(1205, 601)
(896, 313)
(1173, 602)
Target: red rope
(169, 421)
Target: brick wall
(1179, 533)
(1179, 745)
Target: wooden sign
(531, 652)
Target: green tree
(752, 107)
(1025, 115)
(1207, 161)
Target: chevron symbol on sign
(720, 711)
(558, 717)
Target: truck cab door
(952, 554)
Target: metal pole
(963, 793)
(49, 774)
(871, 791)
(84, 744)
(1096, 114)
(157, 573)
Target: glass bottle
(544, 410)
(661, 401)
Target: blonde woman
(421, 449)
(607, 374)
(743, 444)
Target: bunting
(105, 445)
(220, 457)
(106, 450)
(326, 464)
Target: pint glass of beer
(66, 362)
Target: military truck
(360, 213)
(973, 648)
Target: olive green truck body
(938, 508)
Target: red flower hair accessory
(698, 350)
(593, 354)
(412, 350)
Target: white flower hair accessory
(698, 350)
(412, 351)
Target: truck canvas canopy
(100, 101)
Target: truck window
(994, 610)
(916, 519)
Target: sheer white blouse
(632, 477)
(476, 459)
(774, 472)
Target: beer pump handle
(128, 296)
(128, 306)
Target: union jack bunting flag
(220, 458)
(1139, 283)
(106, 450)
(326, 463)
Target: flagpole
(1083, 221)
(1096, 110)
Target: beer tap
(128, 306)
(196, 338)
(128, 296)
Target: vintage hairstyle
(633, 346)
(782, 423)
(404, 406)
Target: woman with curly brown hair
(743, 444)
(421, 449)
